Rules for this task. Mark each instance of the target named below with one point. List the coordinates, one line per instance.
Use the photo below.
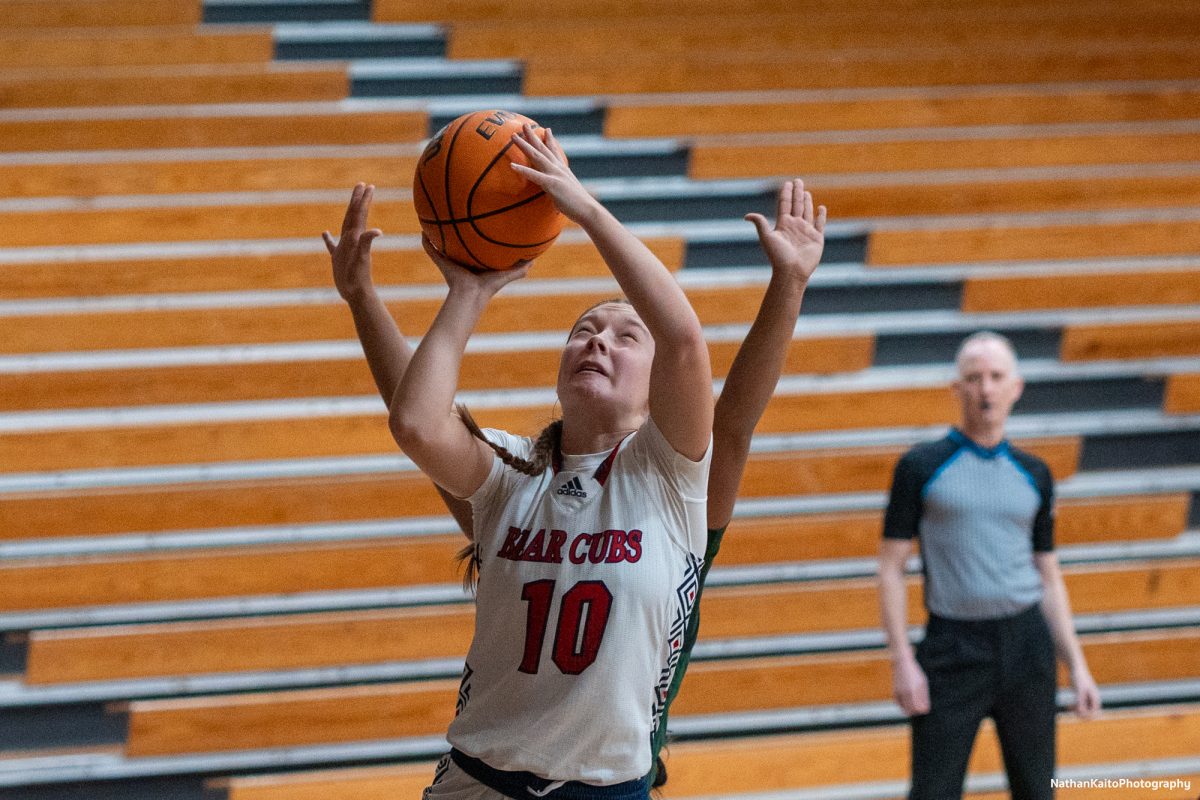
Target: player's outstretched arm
(794, 248)
(421, 414)
(681, 376)
(387, 351)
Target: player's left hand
(351, 253)
(548, 169)
(795, 244)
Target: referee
(998, 609)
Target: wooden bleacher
(82, 581)
(773, 763)
(207, 534)
(729, 612)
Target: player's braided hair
(544, 448)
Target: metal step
(357, 40)
(433, 77)
(239, 11)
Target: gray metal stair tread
(385, 68)
(339, 30)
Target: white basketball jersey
(588, 575)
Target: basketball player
(589, 539)
(794, 248)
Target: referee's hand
(910, 688)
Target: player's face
(607, 360)
(988, 384)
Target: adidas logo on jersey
(572, 488)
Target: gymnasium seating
(219, 578)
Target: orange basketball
(476, 209)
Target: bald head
(987, 342)
(988, 385)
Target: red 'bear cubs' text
(553, 546)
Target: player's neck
(581, 438)
(986, 435)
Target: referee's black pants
(1003, 668)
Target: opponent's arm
(388, 353)
(793, 248)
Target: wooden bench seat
(812, 30)
(511, 313)
(228, 572)
(630, 74)
(139, 46)
(399, 710)
(905, 196)
(1130, 340)
(97, 13)
(166, 222)
(767, 763)
(364, 637)
(128, 129)
(90, 512)
(715, 159)
(1002, 241)
(801, 760)
(367, 433)
(274, 218)
(464, 10)
(87, 581)
(345, 377)
(257, 272)
(1183, 394)
(181, 85)
(75, 177)
(1151, 287)
(912, 108)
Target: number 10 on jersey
(582, 619)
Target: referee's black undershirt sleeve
(904, 508)
(1043, 523)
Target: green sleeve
(685, 656)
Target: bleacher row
(219, 578)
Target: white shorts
(451, 783)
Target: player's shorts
(451, 783)
(461, 777)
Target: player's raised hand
(548, 169)
(351, 253)
(486, 281)
(795, 244)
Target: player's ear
(1018, 387)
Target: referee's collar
(962, 440)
